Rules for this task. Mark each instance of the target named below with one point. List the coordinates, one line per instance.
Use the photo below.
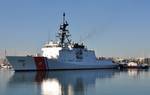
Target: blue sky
(110, 27)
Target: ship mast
(63, 34)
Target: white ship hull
(27, 63)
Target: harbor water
(76, 82)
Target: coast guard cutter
(61, 55)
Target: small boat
(61, 55)
(134, 65)
(5, 65)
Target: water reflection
(84, 82)
(51, 87)
(136, 73)
(5, 76)
(60, 82)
